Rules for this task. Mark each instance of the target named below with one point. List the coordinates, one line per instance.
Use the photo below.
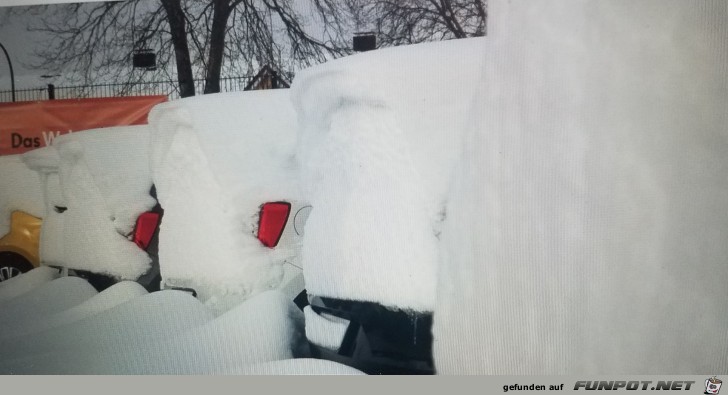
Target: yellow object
(24, 237)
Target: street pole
(12, 75)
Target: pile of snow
(102, 178)
(266, 327)
(215, 160)
(118, 161)
(26, 282)
(42, 160)
(45, 161)
(173, 335)
(20, 189)
(323, 330)
(587, 225)
(298, 366)
(378, 135)
(53, 296)
(79, 346)
(30, 323)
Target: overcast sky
(19, 45)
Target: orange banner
(28, 125)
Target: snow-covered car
(585, 214)
(100, 219)
(223, 166)
(21, 205)
(379, 136)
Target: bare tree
(97, 40)
(178, 34)
(398, 22)
(204, 39)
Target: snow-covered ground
(123, 330)
(102, 178)
(215, 160)
(47, 298)
(31, 324)
(19, 285)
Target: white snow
(172, 335)
(76, 347)
(215, 160)
(118, 160)
(378, 133)
(30, 324)
(41, 160)
(587, 223)
(20, 189)
(298, 366)
(53, 230)
(266, 327)
(103, 179)
(555, 192)
(324, 331)
(46, 161)
(45, 299)
(26, 282)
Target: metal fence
(168, 88)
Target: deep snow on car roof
(378, 138)
(97, 186)
(215, 160)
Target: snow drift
(168, 332)
(102, 179)
(298, 366)
(215, 160)
(19, 285)
(378, 135)
(143, 320)
(587, 223)
(31, 322)
(55, 295)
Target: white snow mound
(104, 181)
(48, 298)
(299, 366)
(29, 323)
(26, 282)
(215, 160)
(166, 332)
(325, 331)
(378, 135)
(587, 226)
(93, 342)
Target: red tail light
(273, 218)
(145, 226)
